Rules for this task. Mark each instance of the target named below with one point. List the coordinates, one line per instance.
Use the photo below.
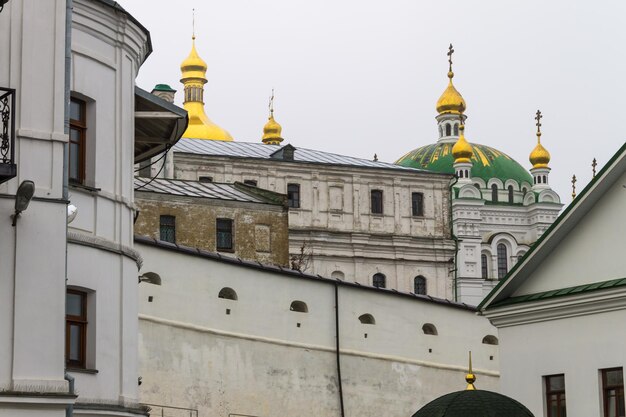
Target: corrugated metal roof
(263, 151)
(186, 188)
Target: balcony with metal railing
(8, 168)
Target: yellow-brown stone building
(236, 219)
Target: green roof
(578, 289)
(474, 403)
(487, 162)
(162, 87)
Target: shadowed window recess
(167, 228)
(224, 234)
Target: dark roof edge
(392, 168)
(562, 292)
(485, 303)
(293, 273)
(116, 6)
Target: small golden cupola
(462, 149)
(193, 70)
(539, 157)
(451, 101)
(272, 130)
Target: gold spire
(451, 100)
(272, 130)
(462, 150)
(193, 70)
(470, 378)
(539, 157)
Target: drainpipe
(338, 355)
(456, 240)
(69, 410)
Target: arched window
(456, 129)
(448, 130)
(466, 173)
(545, 179)
(379, 280)
(524, 190)
(419, 285)
(337, 275)
(483, 266)
(367, 319)
(502, 261)
(510, 194)
(299, 306)
(494, 193)
(477, 185)
(460, 173)
(430, 329)
(227, 293)
(490, 340)
(440, 131)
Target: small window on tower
(510, 194)
(377, 201)
(417, 204)
(456, 129)
(494, 193)
(448, 130)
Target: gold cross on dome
(271, 105)
(538, 117)
(450, 52)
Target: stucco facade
(68, 285)
(560, 312)
(260, 229)
(253, 352)
(334, 219)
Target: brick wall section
(260, 231)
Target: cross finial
(538, 117)
(573, 187)
(375, 158)
(470, 378)
(450, 52)
(193, 24)
(594, 164)
(271, 104)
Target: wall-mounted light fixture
(24, 194)
(150, 278)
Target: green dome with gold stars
(487, 162)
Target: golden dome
(451, 101)
(272, 131)
(539, 157)
(462, 150)
(193, 78)
(193, 66)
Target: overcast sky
(359, 77)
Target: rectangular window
(78, 129)
(75, 328)
(293, 195)
(224, 231)
(377, 201)
(250, 182)
(417, 204)
(613, 392)
(555, 395)
(167, 229)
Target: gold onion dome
(193, 63)
(193, 70)
(272, 131)
(462, 151)
(451, 101)
(539, 157)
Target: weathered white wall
(256, 360)
(32, 270)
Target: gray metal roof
(186, 188)
(263, 151)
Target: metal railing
(158, 410)
(8, 169)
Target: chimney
(164, 91)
